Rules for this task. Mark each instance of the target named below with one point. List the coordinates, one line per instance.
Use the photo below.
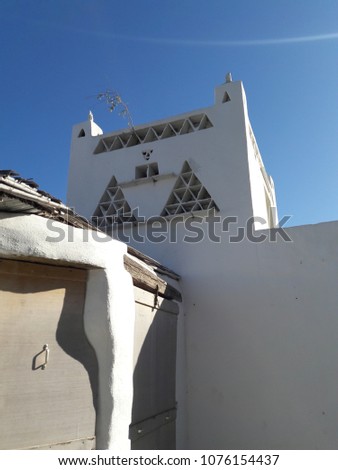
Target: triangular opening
(112, 185)
(195, 190)
(188, 197)
(173, 199)
(205, 123)
(150, 136)
(121, 140)
(101, 147)
(186, 177)
(105, 198)
(82, 133)
(197, 207)
(177, 125)
(119, 195)
(226, 97)
(179, 184)
(116, 144)
(203, 194)
(159, 130)
(179, 193)
(186, 128)
(168, 132)
(186, 167)
(194, 181)
(133, 140)
(105, 144)
(141, 134)
(104, 206)
(196, 120)
(124, 138)
(111, 191)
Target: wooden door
(47, 393)
(154, 405)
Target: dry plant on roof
(115, 102)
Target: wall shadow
(154, 378)
(71, 337)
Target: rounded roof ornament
(228, 78)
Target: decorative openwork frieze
(133, 137)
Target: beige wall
(109, 308)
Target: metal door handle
(46, 349)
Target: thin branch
(114, 101)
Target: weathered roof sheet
(18, 194)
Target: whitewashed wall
(262, 350)
(260, 327)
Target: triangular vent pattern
(194, 123)
(112, 208)
(188, 195)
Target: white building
(257, 344)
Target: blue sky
(164, 58)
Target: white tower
(180, 190)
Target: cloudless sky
(165, 57)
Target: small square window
(146, 171)
(141, 172)
(153, 169)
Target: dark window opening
(146, 171)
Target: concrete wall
(109, 308)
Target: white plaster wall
(109, 308)
(262, 349)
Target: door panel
(44, 403)
(154, 405)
